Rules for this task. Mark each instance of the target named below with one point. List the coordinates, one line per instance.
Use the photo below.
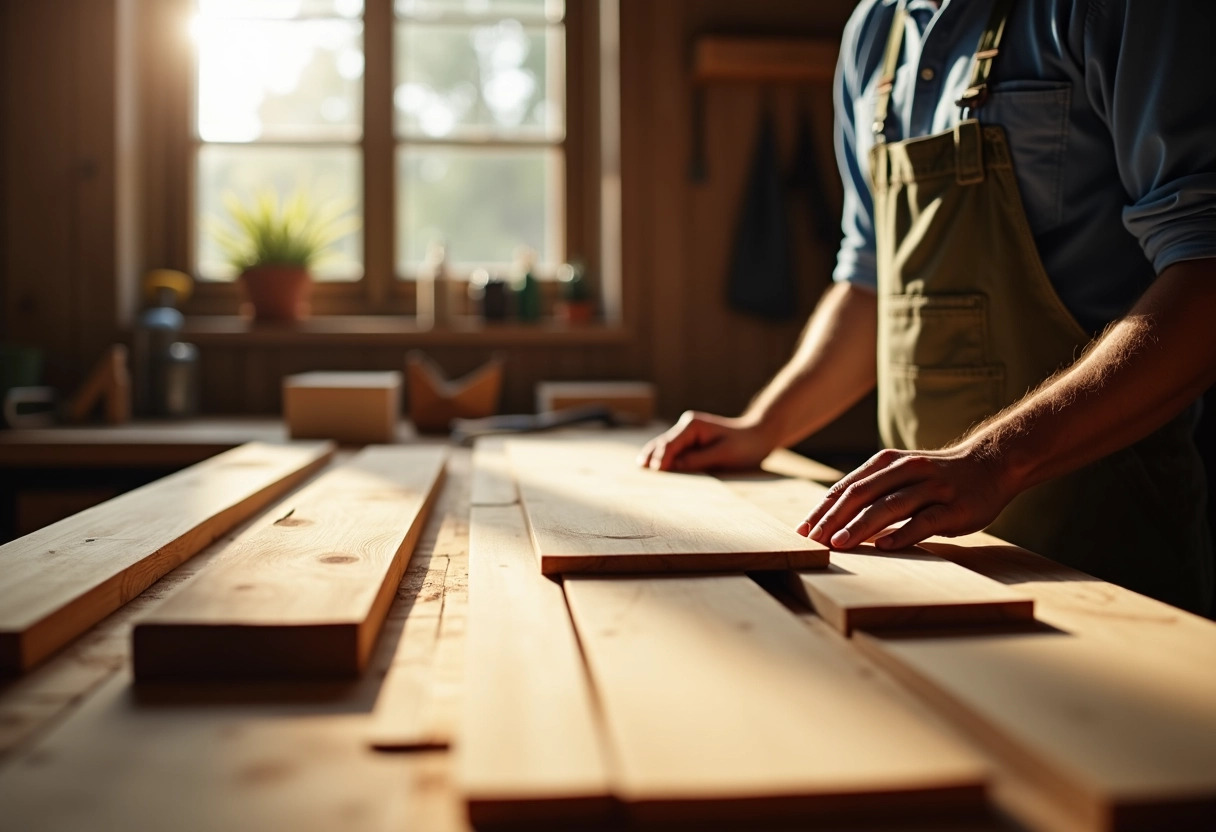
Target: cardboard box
(355, 408)
(631, 402)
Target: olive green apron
(969, 323)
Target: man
(1028, 275)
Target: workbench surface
(82, 748)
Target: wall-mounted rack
(718, 58)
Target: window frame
(168, 165)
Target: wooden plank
(414, 711)
(876, 590)
(493, 483)
(591, 508)
(530, 747)
(308, 595)
(872, 589)
(62, 579)
(721, 704)
(1117, 741)
(1078, 603)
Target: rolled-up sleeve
(856, 262)
(1150, 73)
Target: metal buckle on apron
(969, 152)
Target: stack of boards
(302, 596)
(620, 663)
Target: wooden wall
(61, 239)
(57, 164)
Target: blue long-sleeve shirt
(1110, 111)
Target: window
(457, 121)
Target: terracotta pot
(278, 293)
(575, 311)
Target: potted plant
(576, 305)
(273, 246)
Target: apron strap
(886, 81)
(989, 46)
(977, 91)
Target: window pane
(280, 9)
(551, 10)
(264, 79)
(500, 79)
(328, 176)
(483, 203)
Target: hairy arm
(1142, 372)
(832, 368)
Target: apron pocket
(946, 330)
(930, 407)
(1035, 117)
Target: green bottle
(527, 291)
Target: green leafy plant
(292, 232)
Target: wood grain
(591, 508)
(307, 596)
(62, 579)
(872, 589)
(530, 747)
(1125, 742)
(720, 703)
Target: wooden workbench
(82, 748)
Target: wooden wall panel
(56, 180)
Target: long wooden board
(493, 483)
(530, 746)
(63, 579)
(305, 597)
(720, 703)
(872, 589)
(590, 508)
(1117, 740)
(414, 708)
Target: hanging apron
(969, 323)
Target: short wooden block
(352, 407)
(631, 402)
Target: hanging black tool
(806, 176)
(761, 278)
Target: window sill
(370, 330)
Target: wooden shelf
(764, 60)
(389, 330)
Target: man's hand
(702, 441)
(949, 492)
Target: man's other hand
(702, 441)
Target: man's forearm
(1144, 370)
(832, 369)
